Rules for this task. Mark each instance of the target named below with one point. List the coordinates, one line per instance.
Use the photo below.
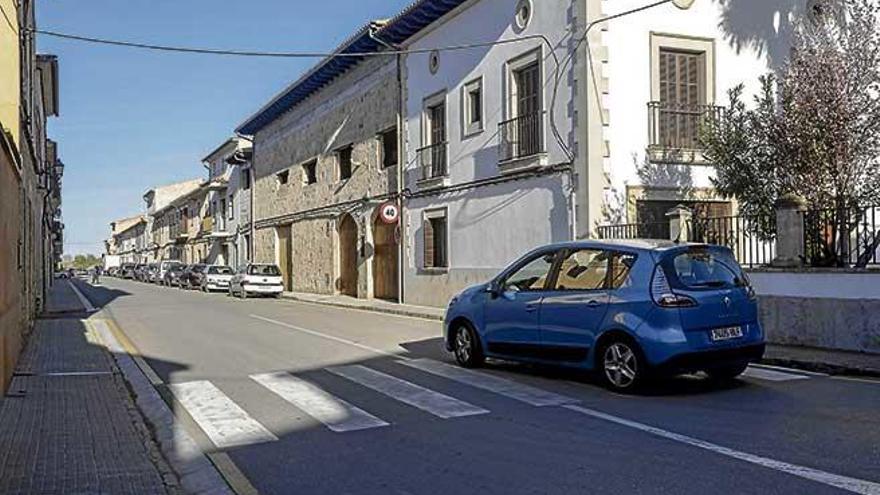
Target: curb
(413, 313)
(822, 367)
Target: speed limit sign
(389, 212)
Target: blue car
(626, 309)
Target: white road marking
(82, 298)
(435, 403)
(330, 337)
(225, 423)
(336, 414)
(854, 485)
(790, 370)
(517, 391)
(771, 375)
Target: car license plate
(726, 333)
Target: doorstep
(376, 305)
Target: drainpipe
(401, 251)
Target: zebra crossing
(227, 424)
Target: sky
(133, 119)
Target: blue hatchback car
(626, 309)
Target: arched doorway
(348, 257)
(384, 260)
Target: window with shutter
(429, 244)
(682, 96)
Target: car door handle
(593, 303)
(531, 308)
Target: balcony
(433, 160)
(213, 228)
(521, 138)
(674, 130)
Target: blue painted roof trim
(397, 30)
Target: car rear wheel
(622, 367)
(466, 347)
(725, 373)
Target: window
(435, 239)
(246, 179)
(310, 172)
(433, 155)
(522, 134)
(682, 89)
(700, 268)
(389, 147)
(343, 156)
(266, 270)
(283, 177)
(231, 211)
(585, 269)
(533, 276)
(621, 266)
(472, 107)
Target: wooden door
(384, 261)
(348, 257)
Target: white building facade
(227, 224)
(488, 154)
(663, 72)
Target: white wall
(750, 38)
(488, 226)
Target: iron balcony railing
(433, 160)
(676, 126)
(522, 137)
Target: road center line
(82, 298)
(854, 485)
(330, 337)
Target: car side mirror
(493, 290)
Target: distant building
(228, 199)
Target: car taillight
(663, 295)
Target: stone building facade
(321, 170)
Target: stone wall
(353, 110)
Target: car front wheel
(466, 347)
(621, 365)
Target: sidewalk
(368, 305)
(68, 423)
(812, 359)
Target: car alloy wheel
(620, 365)
(466, 347)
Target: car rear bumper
(264, 289)
(708, 359)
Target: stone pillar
(679, 223)
(789, 231)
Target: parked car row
(249, 279)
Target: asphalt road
(310, 399)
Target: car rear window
(220, 270)
(705, 268)
(267, 270)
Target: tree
(814, 129)
(85, 261)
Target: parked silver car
(216, 277)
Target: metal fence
(751, 238)
(656, 230)
(433, 160)
(677, 126)
(522, 136)
(842, 237)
